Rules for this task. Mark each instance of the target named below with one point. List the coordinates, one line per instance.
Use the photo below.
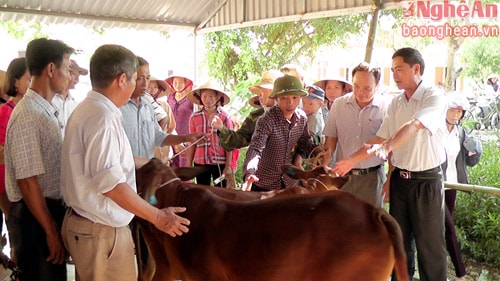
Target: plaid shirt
(33, 147)
(210, 152)
(273, 144)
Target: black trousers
(214, 171)
(418, 207)
(452, 244)
(30, 243)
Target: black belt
(360, 172)
(433, 173)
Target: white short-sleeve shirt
(96, 156)
(425, 150)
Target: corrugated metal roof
(197, 15)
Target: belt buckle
(356, 172)
(405, 174)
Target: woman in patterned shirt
(211, 154)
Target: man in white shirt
(65, 102)
(98, 175)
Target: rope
(169, 182)
(314, 161)
(185, 148)
(324, 185)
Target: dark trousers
(214, 171)
(418, 207)
(257, 187)
(30, 243)
(452, 244)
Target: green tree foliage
(234, 55)
(481, 57)
(24, 30)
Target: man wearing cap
(312, 104)
(65, 102)
(353, 120)
(277, 133)
(229, 139)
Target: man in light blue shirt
(140, 123)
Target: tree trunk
(373, 30)
(451, 73)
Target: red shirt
(5, 112)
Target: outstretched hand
(169, 222)
(196, 136)
(249, 180)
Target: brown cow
(327, 236)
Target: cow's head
(155, 174)
(319, 179)
(149, 178)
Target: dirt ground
(476, 271)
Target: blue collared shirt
(141, 127)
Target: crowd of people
(68, 176)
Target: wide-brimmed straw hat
(161, 83)
(2, 77)
(266, 81)
(288, 85)
(170, 80)
(322, 83)
(195, 95)
(255, 102)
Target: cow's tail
(396, 237)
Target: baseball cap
(76, 68)
(315, 92)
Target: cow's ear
(339, 182)
(292, 171)
(189, 173)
